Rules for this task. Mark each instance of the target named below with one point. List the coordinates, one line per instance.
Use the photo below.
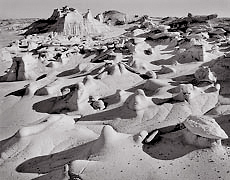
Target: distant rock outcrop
(68, 21)
(112, 17)
(184, 23)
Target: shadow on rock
(48, 163)
(20, 92)
(45, 106)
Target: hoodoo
(68, 21)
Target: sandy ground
(7, 37)
(99, 128)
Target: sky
(160, 8)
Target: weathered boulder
(194, 53)
(114, 17)
(221, 67)
(205, 74)
(205, 126)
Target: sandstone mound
(89, 159)
(139, 111)
(205, 127)
(36, 139)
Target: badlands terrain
(115, 97)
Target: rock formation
(205, 74)
(184, 23)
(23, 68)
(112, 17)
(68, 21)
(153, 91)
(221, 67)
(207, 128)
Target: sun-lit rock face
(201, 100)
(36, 139)
(73, 24)
(203, 131)
(139, 101)
(205, 126)
(105, 152)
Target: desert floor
(110, 107)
